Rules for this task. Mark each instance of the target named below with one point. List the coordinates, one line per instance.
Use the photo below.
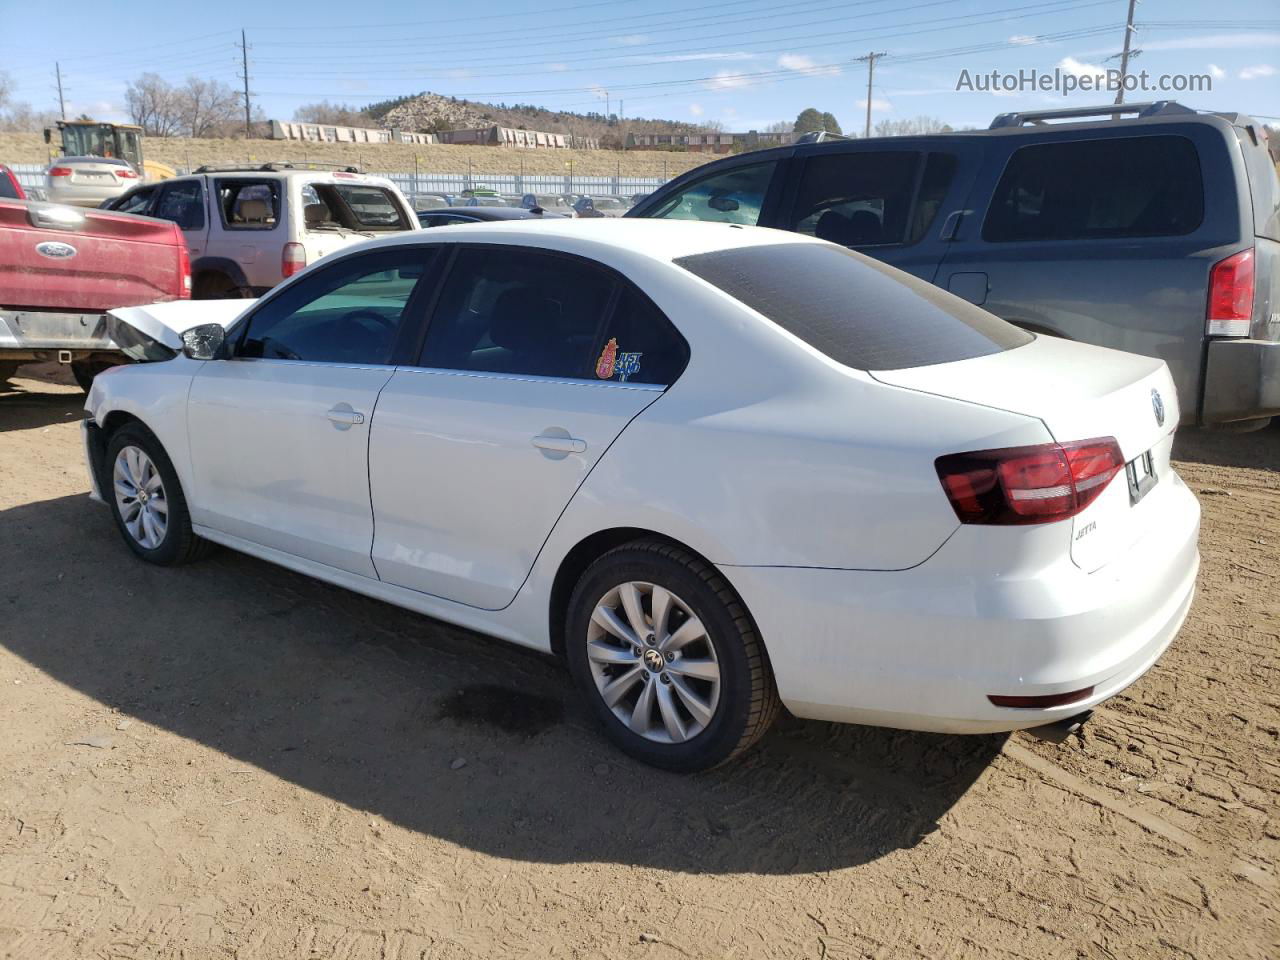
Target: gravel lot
(229, 760)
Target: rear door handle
(343, 417)
(559, 444)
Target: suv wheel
(668, 657)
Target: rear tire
(217, 286)
(146, 499)
(7, 370)
(695, 690)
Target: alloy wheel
(653, 662)
(140, 497)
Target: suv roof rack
(1155, 108)
(274, 167)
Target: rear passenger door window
(1114, 188)
(639, 344)
(857, 198)
(183, 203)
(249, 204)
(519, 311)
(732, 196)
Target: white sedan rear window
(854, 309)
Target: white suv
(248, 228)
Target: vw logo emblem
(55, 250)
(1157, 406)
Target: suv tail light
(293, 259)
(184, 267)
(59, 171)
(1018, 485)
(1230, 312)
(126, 173)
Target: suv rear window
(1097, 190)
(356, 206)
(855, 310)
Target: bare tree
(338, 114)
(153, 105)
(910, 127)
(780, 126)
(18, 117)
(206, 108)
(711, 126)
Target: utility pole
(1124, 57)
(244, 62)
(870, 60)
(62, 103)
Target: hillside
(431, 158)
(428, 112)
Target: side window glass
(734, 196)
(856, 199)
(249, 204)
(1098, 189)
(518, 311)
(183, 203)
(640, 344)
(136, 202)
(349, 313)
(939, 171)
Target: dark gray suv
(1156, 232)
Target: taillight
(1230, 312)
(293, 259)
(126, 173)
(1017, 485)
(184, 268)
(59, 171)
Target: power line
(244, 62)
(870, 60)
(62, 103)
(1124, 57)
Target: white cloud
(1216, 71)
(1023, 39)
(1081, 69)
(802, 64)
(1259, 70)
(696, 109)
(877, 105)
(728, 80)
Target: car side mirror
(723, 204)
(204, 342)
(48, 135)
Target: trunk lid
(1079, 392)
(59, 258)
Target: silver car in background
(88, 181)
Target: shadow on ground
(1259, 449)
(24, 409)
(371, 705)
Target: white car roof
(662, 240)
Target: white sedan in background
(716, 468)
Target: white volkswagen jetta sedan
(716, 468)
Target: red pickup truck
(62, 268)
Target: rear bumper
(29, 334)
(922, 649)
(1241, 381)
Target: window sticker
(612, 363)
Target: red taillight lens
(184, 268)
(1020, 485)
(59, 171)
(293, 259)
(126, 174)
(1230, 312)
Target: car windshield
(857, 311)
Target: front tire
(668, 657)
(146, 499)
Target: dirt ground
(394, 157)
(232, 761)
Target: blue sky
(745, 63)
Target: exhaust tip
(1059, 732)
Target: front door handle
(559, 444)
(344, 417)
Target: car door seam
(368, 472)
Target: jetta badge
(55, 250)
(1157, 405)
